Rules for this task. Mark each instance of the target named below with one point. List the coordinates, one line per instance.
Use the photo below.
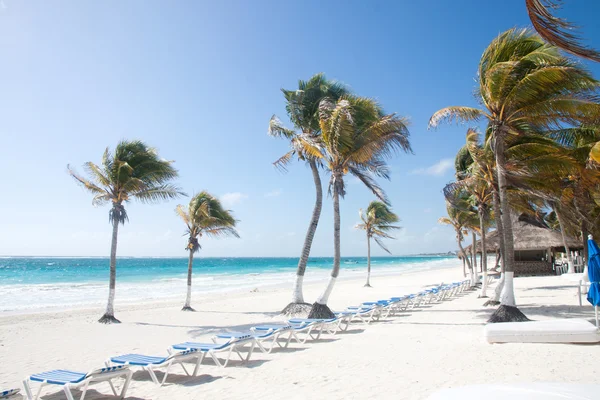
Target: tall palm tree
(204, 216)
(457, 218)
(526, 86)
(302, 107)
(132, 171)
(376, 222)
(557, 31)
(356, 139)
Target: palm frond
(459, 114)
(557, 31)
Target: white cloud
(273, 193)
(230, 199)
(437, 169)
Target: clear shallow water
(45, 283)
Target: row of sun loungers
(262, 337)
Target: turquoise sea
(32, 283)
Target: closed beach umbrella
(594, 274)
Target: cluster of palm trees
(134, 171)
(542, 120)
(341, 133)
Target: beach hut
(536, 246)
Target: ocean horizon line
(219, 257)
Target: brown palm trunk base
(187, 308)
(109, 319)
(320, 311)
(506, 313)
(491, 303)
(296, 310)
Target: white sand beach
(404, 357)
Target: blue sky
(199, 81)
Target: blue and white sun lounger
(236, 343)
(366, 312)
(151, 363)
(265, 333)
(72, 380)
(4, 394)
(312, 328)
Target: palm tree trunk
(475, 277)
(298, 306)
(483, 252)
(498, 290)
(188, 298)
(368, 284)
(320, 308)
(464, 268)
(109, 315)
(465, 257)
(508, 311)
(564, 238)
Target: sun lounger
(548, 331)
(398, 304)
(235, 344)
(272, 333)
(313, 327)
(152, 363)
(4, 394)
(71, 380)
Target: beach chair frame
(178, 357)
(94, 376)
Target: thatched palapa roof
(529, 234)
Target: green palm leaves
(205, 216)
(132, 171)
(527, 86)
(356, 139)
(557, 31)
(377, 222)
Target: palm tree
(302, 107)
(356, 139)
(457, 219)
(205, 216)
(526, 86)
(133, 171)
(557, 31)
(376, 222)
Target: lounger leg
(167, 372)
(126, 384)
(184, 369)
(152, 374)
(67, 389)
(27, 389)
(37, 395)
(254, 343)
(198, 362)
(216, 360)
(85, 388)
(111, 386)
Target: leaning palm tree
(459, 220)
(356, 138)
(557, 31)
(132, 171)
(204, 216)
(376, 222)
(302, 107)
(526, 86)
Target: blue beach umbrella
(593, 295)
